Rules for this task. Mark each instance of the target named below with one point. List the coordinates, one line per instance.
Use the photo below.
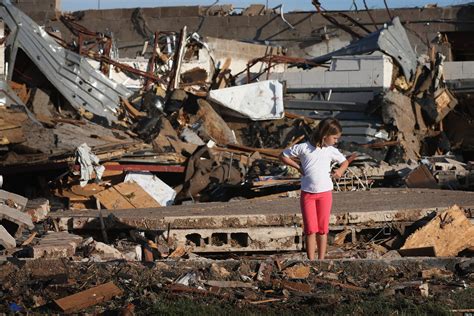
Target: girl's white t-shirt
(316, 165)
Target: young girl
(316, 185)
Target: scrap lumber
(449, 233)
(90, 297)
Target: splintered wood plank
(135, 194)
(449, 233)
(90, 297)
(111, 199)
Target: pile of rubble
(77, 273)
(101, 144)
(183, 125)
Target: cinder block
(452, 69)
(361, 79)
(15, 216)
(6, 240)
(38, 209)
(293, 79)
(468, 69)
(337, 79)
(52, 251)
(313, 78)
(56, 245)
(21, 201)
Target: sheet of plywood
(449, 233)
(125, 196)
(111, 199)
(136, 195)
(90, 297)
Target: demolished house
(114, 145)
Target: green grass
(356, 305)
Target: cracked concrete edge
(16, 216)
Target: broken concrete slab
(258, 101)
(15, 216)
(6, 240)
(38, 209)
(361, 207)
(55, 245)
(449, 233)
(15, 198)
(106, 252)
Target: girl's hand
(301, 171)
(337, 173)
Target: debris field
(140, 171)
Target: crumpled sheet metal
(82, 85)
(392, 39)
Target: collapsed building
(115, 139)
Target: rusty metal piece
(152, 61)
(88, 40)
(272, 61)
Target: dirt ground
(263, 284)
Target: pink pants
(316, 209)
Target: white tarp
(152, 185)
(257, 101)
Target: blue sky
(288, 5)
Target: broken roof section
(392, 39)
(83, 86)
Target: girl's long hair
(327, 127)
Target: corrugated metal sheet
(82, 85)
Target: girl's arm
(340, 171)
(290, 162)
